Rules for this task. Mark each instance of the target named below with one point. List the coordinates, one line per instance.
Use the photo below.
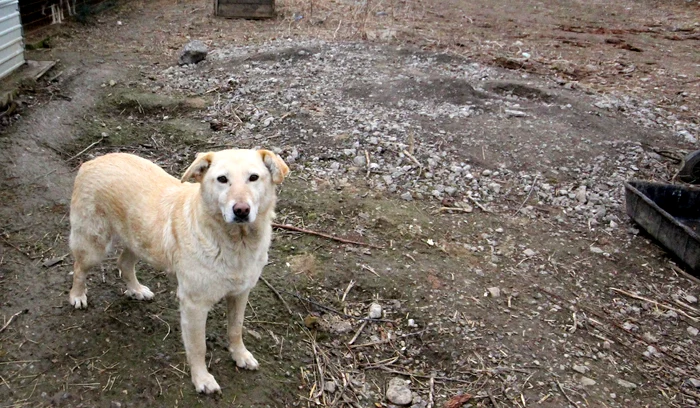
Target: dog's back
(109, 195)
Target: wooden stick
(362, 326)
(272, 288)
(478, 204)
(665, 306)
(458, 209)
(565, 396)
(86, 149)
(685, 274)
(532, 188)
(432, 391)
(10, 321)
(320, 234)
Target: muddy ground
(525, 300)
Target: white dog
(214, 235)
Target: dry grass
(383, 20)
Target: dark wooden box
(245, 8)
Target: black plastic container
(669, 213)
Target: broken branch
(327, 236)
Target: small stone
(486, 172)
(398, 392)
(194, 52)
(515, 113)
(359, 161)
(529, 253)
(691, 299)
(341, 327)
(407, 196)
(581, 194)
(626, 384)
(694, 382)
(412, 323)
(330, 386)
(585, 381)
(375, 311)
(494, 291)
(596, 250)
(692, 331)
(115, 404)
(112, 82)
(580, 369)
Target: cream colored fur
(187, 228)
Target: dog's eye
(253, 177)
(222, 179)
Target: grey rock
(694, 382)
(494, 291)
(529, 253)
(580, 369)
(596, 250)
(691, 299)
(692, 331)
(375, 311)
(587, 382)
(193, 53)
(626, 384)
(407, 196)
(330, 386)
(398, 392)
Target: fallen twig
(532, 188)
(432, 391)
(685, 274)
(10, 321)
(166, 323)
(665, 306)
(478, 204)
(369, 169)
(80, 153)
(369, 268)
(357, 334)
(320, 234)
(407, 374)
(458, 209)
(339, 313)
(564, 393)
(272, 288)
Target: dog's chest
(231, 271)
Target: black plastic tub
(671, 214)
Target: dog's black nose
(241, 210)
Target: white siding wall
(11, 44)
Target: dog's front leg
(193, 319)
(236, 313)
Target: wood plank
(245, 10)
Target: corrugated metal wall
(11, 43)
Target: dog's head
(237, 182)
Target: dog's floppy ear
(278, 168)
(199, 167)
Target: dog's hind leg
(86, 253)
(126, 263)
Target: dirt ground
(525, 300)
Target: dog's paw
(244, 359)
(206, 384)
(78, 301)
(142, 293)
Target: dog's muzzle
(241, 211)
